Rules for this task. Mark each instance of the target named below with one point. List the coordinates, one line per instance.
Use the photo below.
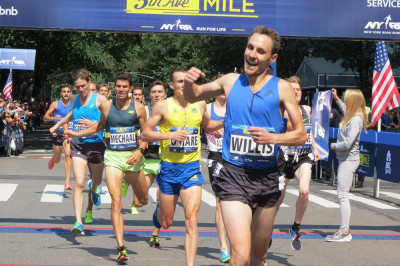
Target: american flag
(7, 91)
(385, 95)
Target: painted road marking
(105, 196)
(181, 233)
(6, 191)
(372, 203)
(318, 200)
(391, 194)
(53, 193)
(208, 198)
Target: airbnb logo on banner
(8, 11)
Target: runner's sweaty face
(103, 90)
(257, 56)
(66, 93)
(138, 95)
(178, 83)
(157, 93)
(122, 89)
(81, 85)
(297, 91)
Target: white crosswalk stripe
(318, 200)
(153, 193)
(6, 191)
(369, 202)
(208, 198)
(105, 196)
(53, 193)
(391, 194)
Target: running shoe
(51, 164)
(122, 255)
(68, 186)
(225, 256)
(77, 230)
(96, 198)
(124, 189)
(154, 241)
(339, 236)
(156, 223)
(133, 209)
(88, 218)
(296, 242)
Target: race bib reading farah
(123, 138)
(189, 145)
(79, 128)
(244, 149)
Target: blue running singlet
(245, 110)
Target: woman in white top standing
(347, 152)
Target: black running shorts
(290, 166)
(57, 140)
(257, 188)
(91, 152)
(212, 160)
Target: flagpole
(377, 182)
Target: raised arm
(194, 93)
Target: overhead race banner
(370, 19)
(17, 58)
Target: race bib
(303, 149)
(244, 149)
(123, 138)
(189, 145)
(156, 143)
(80, 128)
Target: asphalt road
(36, 218)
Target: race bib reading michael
(244, 149)
(189, 145)
(123, 138)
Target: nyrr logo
(386, 24)
(8, 11)
(176, 26)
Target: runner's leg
(114, 183)
(79, 168)
(67, 162)
(191, 200)
(237, 217)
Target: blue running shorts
(176, 176)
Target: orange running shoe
(51, 164)
(68, 186)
